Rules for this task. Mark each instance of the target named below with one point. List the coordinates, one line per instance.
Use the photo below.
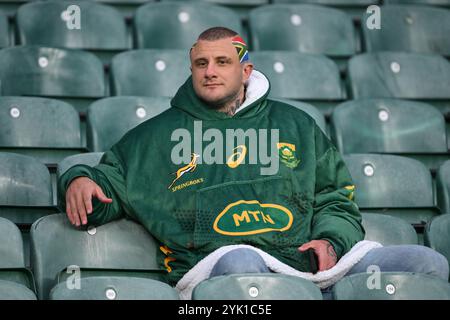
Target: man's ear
(247, 70)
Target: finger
(306, 246)
(81, 209)
(77, 213)
(87, 198)
(69, 211)
(322, 260)
(73, 209)
(101, 196)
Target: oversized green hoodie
(195, 207)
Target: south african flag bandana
(241, 48)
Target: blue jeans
(407, 258)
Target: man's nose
(210, 71)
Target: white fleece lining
(257, 86)
(322, 279)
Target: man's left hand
(324, 251)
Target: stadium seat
(149, 72)
(118, 248)
(304, 28)
(443, 3)
(102, 28)
(256, 287)
(90, 158)
(443, 187)
(388, 230)
(319, 83)
(354, 8)
(437, 235)
(15, 279)
(9, 7)
(69, 75)
(46, 129)
(310, 110)
(25, 189)
(115, 288)
(126, 8)
(110, 118)
(393, 185)
(410, 28)
(176, 25)
(4, 30)
(391, 286)
(393, 126)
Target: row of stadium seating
(118, 261)
(175, 25)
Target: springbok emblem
(187, 168)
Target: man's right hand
(79, 199)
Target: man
(197, 206)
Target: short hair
(217, 33)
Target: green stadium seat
(304, 28)
(176, 25)
(354, 8)
(46, 129)
(9, 7)
(4, 30)
(110, 118)
(443, 187)
(393, 126)
(437, 235)
(25, 189)
(115, 288)
(410, 28)
(15, 279)
(240, 7)
(388, 230)
(423, 77)
(149, 72)
(69, 75)
(312, 111)
(118, 248)
(256, 287)
(319, 83)
(126, 7)
(443, 3)
(90, 158)
(102, 28)
(393, 185)
(391, 286)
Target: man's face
(217, 74)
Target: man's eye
(222, 62)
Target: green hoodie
(231, 202)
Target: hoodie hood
(258, 88)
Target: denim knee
(241, 260)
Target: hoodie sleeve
(336, 216)
(110, 176)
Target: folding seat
(90, 159)
(4, 30)
(9, 7)
(115, 288)
(393, 126)
(410, 28)
(312, 111)
(26, 190)
(149, 72)
(46, 129)
(270, 286)
(391, 286)
(388, 230)
(241, 7)
(442, 3)
(307, 77)
(73, 76)
(443, 187)
(101, 28)
(110, 118)
(16, 281)
(354, 8)
(60, 253)
(126, 8)
(176, 25)
(437, 235)
(393, 185)
(304, 28)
